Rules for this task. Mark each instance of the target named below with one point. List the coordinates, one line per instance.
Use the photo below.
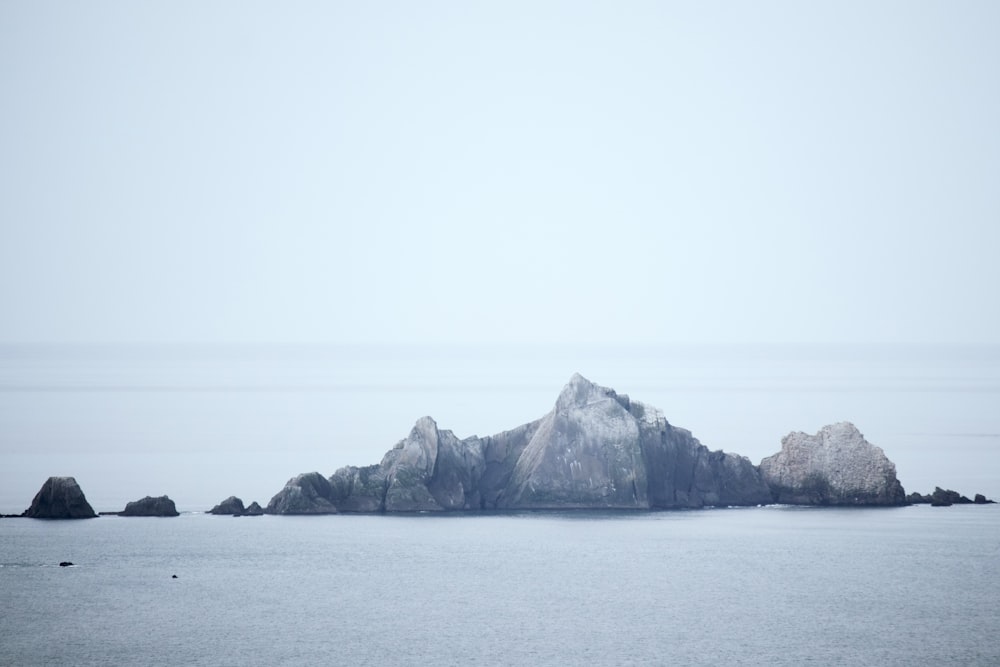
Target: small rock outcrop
(60, 498)
(947, 497)
(308, 493)
(149, 506)
(231, 505)
(837, 466)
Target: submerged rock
(837, 466)
(149, 506)
(60, 498)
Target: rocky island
(596, 449)
(149, 506)
(60, 498)
(233, 506)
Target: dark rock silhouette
(945, 498)
(60, 498)
(149, 506)
(231, 505)
(65, 563)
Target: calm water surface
(780, 586)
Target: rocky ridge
(595, 449)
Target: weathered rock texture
(595, 449)
(837, 466)
(149, 506)
(308, 493)
(60, 498)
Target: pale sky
(493, 172)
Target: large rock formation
(595, 449)
(149, 506)
(60, 498)
(837, 466)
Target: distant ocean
(771, 585)
(757, 586)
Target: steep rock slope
(60, 498)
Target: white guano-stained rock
(837, 466)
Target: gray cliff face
(601, 449)
(837, 466)
(308, 493)
(595, 449)
(231, 505)
(60, 498)
(149, 506)
(585, 453)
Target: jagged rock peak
(836, 466)
(60, 498)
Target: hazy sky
(506, 171)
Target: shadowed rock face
(231, 505)
(595, 449)
(837, 466)
(60, 498)
(149, 506)
(308, 493)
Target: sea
(775, 585)
(756, 586)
